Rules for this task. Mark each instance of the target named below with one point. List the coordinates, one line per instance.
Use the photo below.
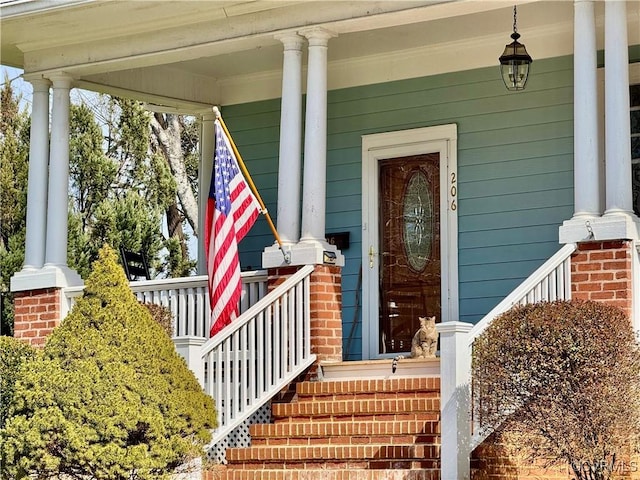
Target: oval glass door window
(418, 225)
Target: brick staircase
(347, 430)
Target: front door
(409, 261)
(410, 233)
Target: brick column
(37, 313)
(326, 313)
(601, 271)
(325, 310)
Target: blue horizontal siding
(514, 168)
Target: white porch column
(290, 155)
(207, 146)
(58, 194)
(617, 126)
(315, 139)
(586, 172)
(312, 247)
(58, 274)
(38, 175)
(290, 163)
(618, 220)
(455, 401)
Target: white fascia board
(17, 8)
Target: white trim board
(442, 139)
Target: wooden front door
(409, 242)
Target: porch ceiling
(195, 53)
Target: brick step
(371, 386)
(333, 408)
(351, 464)
(377, 417)
(348, 440)
(322, 474)
(330, 429)
(326, 453)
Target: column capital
(61, 80)
(208, 117)
(290, 40)
(317, 36)
(38, 82)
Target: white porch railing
(552, 281)
(260, 353)
(188, 299)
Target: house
(385, 127)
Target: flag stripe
(232, 209)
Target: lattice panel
(240, 437)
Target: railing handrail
(178, 282)
(522, 290)
(263, 303)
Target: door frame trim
(441, 139)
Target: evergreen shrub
(109, 398)
(13, 353)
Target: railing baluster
(182, 313)
(276, 341)
(307, 320)
(268, 320)
(243, 368)
(553, 286)
(299, 319)
(262, 359)
(173, 306)
(291, 317)
(284, 347)
(190, 312)
(228, 375)
(200, 299)
(251, 371)
(235, 380)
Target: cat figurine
(425, 341)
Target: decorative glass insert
(418, 226)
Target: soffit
(83, 34)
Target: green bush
(13, 353)
(561, 380)
(109, 398)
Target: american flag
(232, 210)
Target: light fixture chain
(515, 22)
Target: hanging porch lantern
(515, 61)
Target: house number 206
(453, 191)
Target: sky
(19, 85)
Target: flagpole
(247, 175)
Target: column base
(50, 276)
(303, 253)
(612, 226)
